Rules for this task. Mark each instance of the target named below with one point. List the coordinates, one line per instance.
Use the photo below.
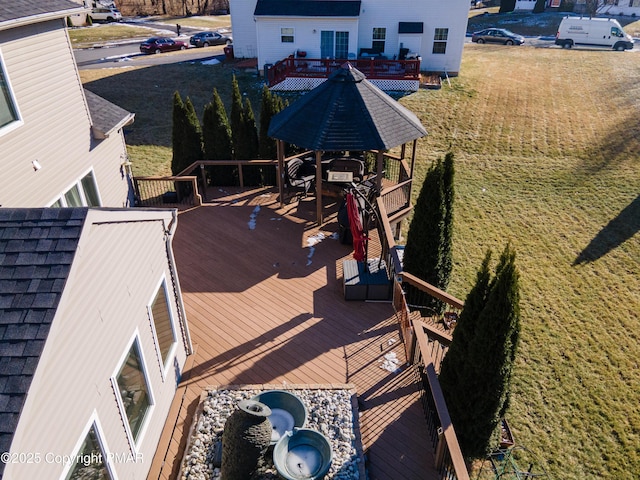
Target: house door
(334, 44)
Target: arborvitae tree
(236, 119)
(69, 22)
(192, 135)
(250, 130)
(177, 133)
(216, 136)
(507, 6)
(253, 175)
(457, 373)
(497, 337)
(480, 395)
(268, 148)
(423, 251)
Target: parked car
(162, 44)
(497, 35)
(106, 14)
(204, 39)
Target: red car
(162, 44)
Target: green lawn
(547, 146)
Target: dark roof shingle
(346, 112)
(106, 116)
(15, 9)
(308, 8)
(32, 278)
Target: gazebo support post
(379, 170)
(413, 163)
(319, 187)
(280, 176)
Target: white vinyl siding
(307, 37)
(115, 274)
(54, 126)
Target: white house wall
(245, 39)
(306, 36)
(451, 14)
(114, 276)
(56, 129)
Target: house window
(440, 40)
(83, 193)
(286, 35)
(134, 393)
(90, 461)
(379, 37)
(162, 323)
(8, 108)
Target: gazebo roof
(346, 112)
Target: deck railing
(167, 191)
(374, 69)
(188, 188)
(425, 347)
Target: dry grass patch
(82, 37)
(547, 144)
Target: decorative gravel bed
(332, 410)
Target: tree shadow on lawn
(624, 226)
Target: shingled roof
(25, 9)
(106, 116)
(346, 112)
(37, 247)
(308, 8)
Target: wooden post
(280, 171)
(203, 174)
(319, 186)
(379, 169)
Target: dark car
(497, 35)
(161, 44)
(204, 39)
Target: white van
(106, 14)
(593, 32)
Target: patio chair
(299, 178)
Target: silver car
(204, 39)
(497, 35)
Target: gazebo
(345, 113)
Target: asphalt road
(118, 53)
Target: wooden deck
(265, 307)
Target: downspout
(174, 273)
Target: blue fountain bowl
(303, 454)
(287, 412)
